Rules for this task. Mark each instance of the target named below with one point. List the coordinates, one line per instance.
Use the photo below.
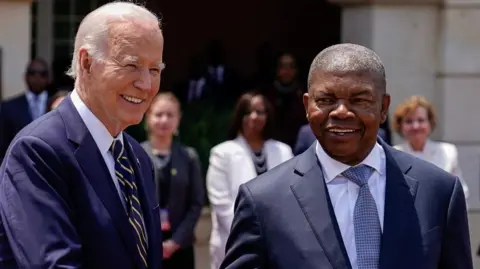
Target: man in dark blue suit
(19, 111)
(350, 200)
(75, 190)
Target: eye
(155, 71)
(131, 66)
(360, 101)
(324, 100)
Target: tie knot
(116, 148)
(359, 174)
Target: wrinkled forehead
(135, 41)
(342, 82)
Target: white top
(441, 154)
(230, 166)
(100, 135)
(343, 192)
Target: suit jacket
(230, 166)
(443, 155)
(305, 138)
(14, 115)
(284, 219)
(187, 191)
(59, 207)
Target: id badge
(164, 221)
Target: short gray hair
(92, 32)
(349, 58)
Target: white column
(44, 42)
(432, 49)
(405, 38)
(15, 45)
(459, 80)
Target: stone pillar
(430, 48)
(459, 81)
(15, 38)
(405, 36)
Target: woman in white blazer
(249, 153)
(414, 120)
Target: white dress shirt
(37, 103)
(100, 135)
(343, 192)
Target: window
(67, 17)
(33, 28)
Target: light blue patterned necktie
(366, 222)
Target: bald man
(350, 200)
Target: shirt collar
(97, 129)
(42, 97)
(333, 168)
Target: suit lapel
(96, 171)
(147, 202)
(27, 114)
(312, 196)
(400, 192)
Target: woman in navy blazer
(178, 177)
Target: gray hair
(349, 58)
(93, 29)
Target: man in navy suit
(19, 111)
(350, 200)
(75, 190)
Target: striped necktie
(125, 176)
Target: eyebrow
(363, 92)
(131, 58)
(161, 65)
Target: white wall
(15, 43)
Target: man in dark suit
(19, 111)
(350, 200)
(75, 190)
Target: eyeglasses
(41, 73)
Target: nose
(144, 82)
(415, 124)
(341, 112)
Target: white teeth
(342, 130)
(132, 99)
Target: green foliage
(203, 126)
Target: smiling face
(345, 110)
(120, 88)
(416, 127)
(163, 117)
(255, 118)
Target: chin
(133, 120)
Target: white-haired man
(75, 191)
